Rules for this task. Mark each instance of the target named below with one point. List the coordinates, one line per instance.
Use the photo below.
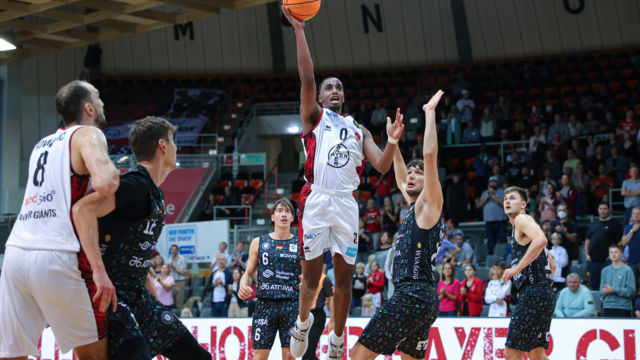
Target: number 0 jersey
(335, 152)
(44, 222)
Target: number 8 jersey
(44, 222)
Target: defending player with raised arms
(530, 272)
(276, 259)
(50, 276)
(130, 223)
(335, 146)
(404, 321)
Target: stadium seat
(365, 195)
(492, 259)
(197, 281)
(500, 249)
(485, 310)
(459, 273)
(597, 300)
(205, 312)
(580, 269)
(483, 272)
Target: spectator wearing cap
(492, 213)
(466, 106)
(631, 192)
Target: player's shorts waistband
(324, 190)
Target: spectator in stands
(497, 172)
(526, 181)
(222, 250)
(466, 106)
(362, 205)
(324, 299)
(465, 254)
(375, 283)
(383, 189)
(536, 140)
(471, 293)
(239, 259)
(591, 147)
(456, 198)
(378, 118)
(566, 227)
(368, 309)
(385, 247)
(631, 192)
(228, 199)
(568, 194)
(631, 240)
(548, 203)
(447, 251)
(558, 127)
(448, 292)
(627, 125)
(186, 313)
(460, 85)
(481, 164)
(178, 271)
(571, 161)
(454, 126)
(602, 183)
(502, 109)
(612, 143)
(497, 292)
(601, 233)
(636, 308)
(365, 244)
(546, 180)
(575, 126)
(575, 300)
(471, 135)
(156, 264)
(298, 183)
(389, 217)
(358, 286)
(552, 165)
(488, 125)
(207, 209)
(388, 267)
(237, 307)
(617, 165)
(561, 259)
(618, 284)
(609, 124)
(219, 286)
(373, 222)
(492, 213)
(628, 146)
(582, 184)
(163, 283)
(362, 113)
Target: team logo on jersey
(145, 245)
(327, 128)
(267, 273)
(166, 317)
(293, 248)
(265, 245)
(338, 156)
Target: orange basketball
(302, 10)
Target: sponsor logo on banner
(469, 339)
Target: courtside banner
(450, 339)
(197, 241)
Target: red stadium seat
(240, 183)
(224, 183)
(453, 162)
(247, 199)
(468, 163)
(256, 184)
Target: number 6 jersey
(44, 222)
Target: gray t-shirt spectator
(631, 201)
(492, 211)
(465, 253)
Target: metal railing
(613, 204)
(202, 143)
(247, 217)
(184, 161)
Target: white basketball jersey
(335, 152)
(44, 222)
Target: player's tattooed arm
(85, 218)
(309, 108)
(245, 290)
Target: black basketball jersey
(278, 268)
(127, 245)
(416, 250)
(538, 272)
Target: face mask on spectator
(562, 214)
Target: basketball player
(141, 327)
(403, 322)
(335, 146)
(277, 259)
(47, 275)
(531, 270)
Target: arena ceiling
(44, 26)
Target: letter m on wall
(181, 30)
(367, 17)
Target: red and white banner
(450, 339)
(177, 188)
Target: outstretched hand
(431, 105)
(297, 24)
(395, 129)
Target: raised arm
(90, 156)
(245, 290)
(85, 218)
(527, 226)
(432, 192)
(381, 160)
(309, 108)
(400, 170)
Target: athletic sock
(336, 340)
(302, 325)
